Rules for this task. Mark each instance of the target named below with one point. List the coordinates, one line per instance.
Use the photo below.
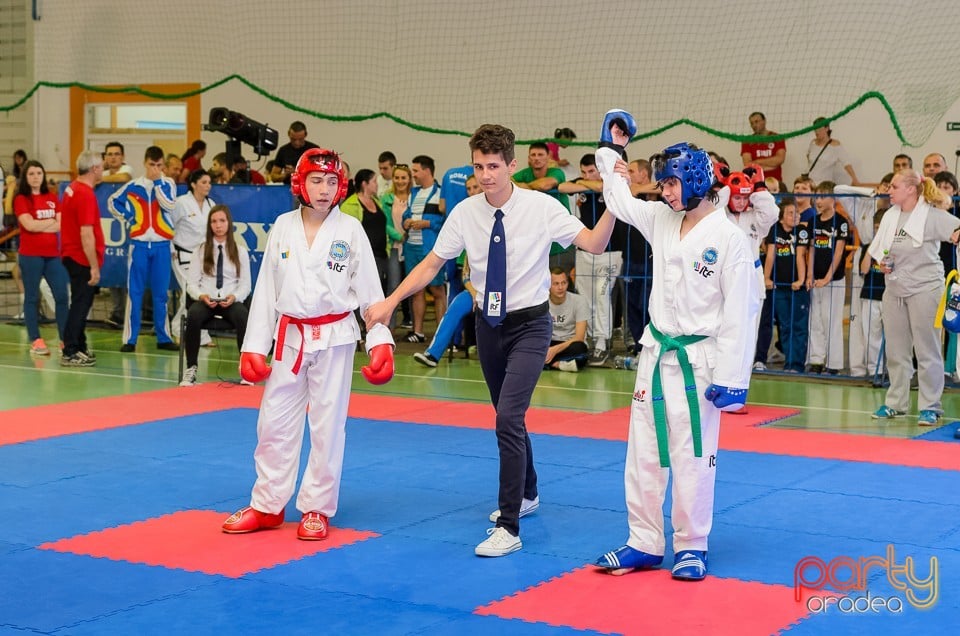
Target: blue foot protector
(625, 559)
(690, 565)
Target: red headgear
(318, 160)
(739, 184)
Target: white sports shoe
(527, 507)
(189, 377)
(570, 366)
(499, 543)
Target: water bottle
(625, 362)
(889, 264)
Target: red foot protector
(653, 603)
(193, 541)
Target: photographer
(219, 281)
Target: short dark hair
(114, 144)
(386, 155)
(947, 177)
(539, 145)
(153, 153)
(298, 126)
(588, 159)
(425, 162)
(556, 270)
(903, 156)
(494, 139)
(786, 202)
(757, 112)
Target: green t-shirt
(525, 175)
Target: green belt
(677, 344)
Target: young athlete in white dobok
(317, 269)
(697, 349)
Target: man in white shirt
(507, 234)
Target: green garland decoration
(403, 122)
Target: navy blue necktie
(495, 292)
(219, 268)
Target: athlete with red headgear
(754, 210)
(317, 269)
(697, 349)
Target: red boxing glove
(254, 367)
(755, 172)
(380, 369)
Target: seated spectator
(568, 344)
(243, 174)
(217, 284)
(462, 306)
(274, 173)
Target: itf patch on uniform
(339, 251)
(494, 299)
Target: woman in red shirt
(38, 213)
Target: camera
(241, 128)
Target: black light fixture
(242, 129)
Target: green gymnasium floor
(829, 405)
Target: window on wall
(137, 118)
(138, 126)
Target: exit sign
(953, 125)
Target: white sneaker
(570, 366)
(759, 366)
(189, 377)
(527, 507)
(499, 543)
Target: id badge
(494, 299)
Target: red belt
(286, 320)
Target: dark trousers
(81, 300)
(765, 328)
(791, 310)
(577, 351)
(638, 285)
(511, 357)
(198, 314)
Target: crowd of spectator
(821, 275)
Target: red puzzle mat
(192, 541)
(589, 599)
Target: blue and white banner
(254, 209)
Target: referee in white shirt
(512, 339)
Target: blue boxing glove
(626, 129)
(726, 399)
(951, 316)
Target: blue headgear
(691, 166)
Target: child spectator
(785, 273)
(830, 233)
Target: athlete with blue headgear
(697, 348)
